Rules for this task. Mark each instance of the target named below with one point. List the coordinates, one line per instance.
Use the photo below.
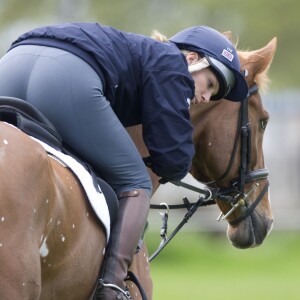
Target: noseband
(235, 195)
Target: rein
(234, 195)
(163, 232)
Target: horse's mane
(262, 79)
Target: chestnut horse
(51, 242)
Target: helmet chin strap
(199, 65)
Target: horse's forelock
(262, 80)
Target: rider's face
(206, 82)
(206, 85)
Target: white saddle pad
(96, 199)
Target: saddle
(31, 121)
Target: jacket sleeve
(167, 129)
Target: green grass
(203, 266)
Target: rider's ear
(192, 57)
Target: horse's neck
(202, 116)
(200, 111)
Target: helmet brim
(232, 84)
(224, 75)
(240, 90)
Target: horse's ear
(261, 59)
(228, 34)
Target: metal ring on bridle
(167, 209)
(210, 194)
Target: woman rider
(91, 81)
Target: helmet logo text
(227, 54)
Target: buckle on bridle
(237, 201)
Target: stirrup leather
(115, 287)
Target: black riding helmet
(221, 56)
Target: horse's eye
(263, 123)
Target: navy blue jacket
(146, 81)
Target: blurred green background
(205, 266)
(200, 263)
(253, 22)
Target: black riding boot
(125, 234)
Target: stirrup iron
(115, 287)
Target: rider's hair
(159, 36)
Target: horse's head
(229, 154)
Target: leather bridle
(236, 195)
